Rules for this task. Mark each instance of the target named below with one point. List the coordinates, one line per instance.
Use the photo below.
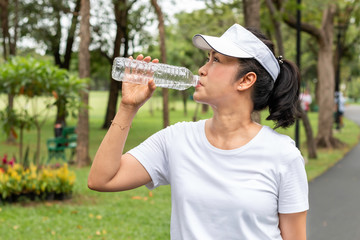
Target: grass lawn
(136, 214)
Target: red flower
(4, 160)
(11, 162)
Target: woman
(230, 177)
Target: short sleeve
(152, 155)
(293, 190)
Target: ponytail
(281, 96)
(284, 98)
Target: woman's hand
(135, 95)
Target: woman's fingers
(140, 57)
(151, 85)
(147, 59)
(142, 70)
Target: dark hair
(281, 96)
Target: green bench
(57, 146)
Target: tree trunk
(11, 137)
(71, 35)
(165, 91)
(326, 103)
(55, 41)
(310, 141)
(252, 19)
(112, 103)
(82, 149)
(277, 26)
(325, 69)
(204, 108)
(252, 13)
(196, 112)
(166, 119)
(38, 143)
(4, 14)
(65, 63)
(9, 47)
(184, 96)
(13, 42)
(61, 111)
(21, 144)
(120, 12)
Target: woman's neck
(229, 129)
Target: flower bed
(35, 183)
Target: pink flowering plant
(5, 162)
(46, 182)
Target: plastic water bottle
(165, 76)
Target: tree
(347, 44)
(121, 12)
(32, 79)
(82, 149)
(9, 40)
(279, 40)
(165, 91)
(325, 70)
(50, 31)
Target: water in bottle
(165, 76)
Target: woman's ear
(247, 81)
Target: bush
(44, 183)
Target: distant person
(230, 177)
(305, 100)
(58, 129)
(340, 109)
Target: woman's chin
(198, 99)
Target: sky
(182, 5)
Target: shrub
(46, 182)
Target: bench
(57, 146)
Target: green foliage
(41, 21)
(353, 90)
(31, 78)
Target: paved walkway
(335, 197)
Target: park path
(335, 196)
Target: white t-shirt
(225, 194)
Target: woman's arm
(111, 170)
(293, 226)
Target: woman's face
(217, 80)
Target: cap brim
(220, 45)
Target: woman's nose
(202, 71)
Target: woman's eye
(214, 59)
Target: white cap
(240, 43)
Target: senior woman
(230, 177)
